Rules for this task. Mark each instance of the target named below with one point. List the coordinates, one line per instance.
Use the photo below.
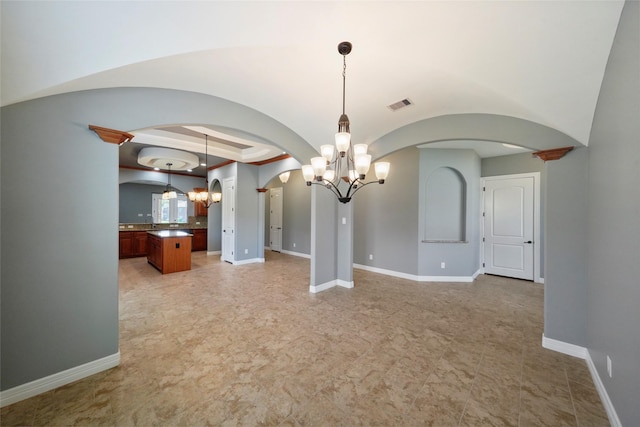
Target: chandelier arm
(335, 190)
(331, 186)
(360, 185)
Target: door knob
(529, 241)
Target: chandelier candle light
(344, 162)
(205, 197)
(284, 177)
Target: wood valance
(111, 135)
(554, 154)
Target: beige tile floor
(249, 345)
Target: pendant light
(345, 162)
(169, 192)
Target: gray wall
(566, 248)
(461, 259)
(136, 202)
(296, 213)
(214, 219)
(247, 213)
(214, 227)
(613, 295)
(386, 217)
(511, 164)
(135, 197)
(324, 239)
(59, 304)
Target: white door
(509, 227)
(275, 219)
(228, 219)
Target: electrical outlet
(442, 264)
(609, 371)
(294, 245)
(246, 251)
(370, 256)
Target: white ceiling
(541, 61)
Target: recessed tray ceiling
(157, 157)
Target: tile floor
(249, 345)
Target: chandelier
(205, 197)
(169, 191)
(345, 162)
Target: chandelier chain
(344, 79)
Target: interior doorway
(275, 219)
(511, 226)
(228, 219)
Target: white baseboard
(564, 347)
(314, 289)
(248, 261)
(583, 353)
(416, 278)
(214, 253)
(604, 396)
(344, 283)
(33, 388)
(299, 254)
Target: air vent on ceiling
(400, 104)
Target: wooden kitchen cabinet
(125, 244)
(169, 251)
(199, 242)
(154, 251)
(132, 244)
(140, 243)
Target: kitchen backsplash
(194, 223)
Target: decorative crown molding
(111, 135)
(554, 154)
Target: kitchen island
(169, 250)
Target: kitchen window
(169, 211)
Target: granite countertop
(160, 227)
(170, 233)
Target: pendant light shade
(284, 177)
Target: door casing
(537, 234)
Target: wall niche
(446, 206)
